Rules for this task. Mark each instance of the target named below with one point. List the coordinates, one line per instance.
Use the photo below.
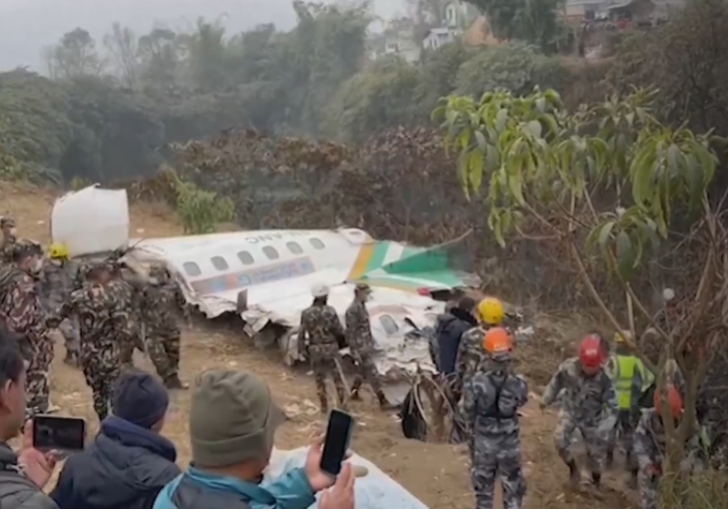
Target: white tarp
(91, 221)
(377, 490)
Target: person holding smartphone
(22, 474)
(233, 421)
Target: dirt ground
(436, 474)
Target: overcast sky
(27, 26)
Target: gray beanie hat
(232, 418)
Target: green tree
(123, 47)
(605, 182)
(533, 21)
(516, 67)
(74, 56)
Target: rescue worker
(7, 226)
(319, 341)
(650, 446)
(588, 404)
(631, 378)
(101, 324)
(128, 298)
(449, 331)
(470, 352)
(361, 343)
(162, 302)
(491, 399)
(24, 317)
(58, 280)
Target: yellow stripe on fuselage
(366, 252)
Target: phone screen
(57, 433)
(338, 436)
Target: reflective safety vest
(623, 368)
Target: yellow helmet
(618, 339)
(490, 311)
(58, 251)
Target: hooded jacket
(17, 491)
(124, 468)
(449, 331)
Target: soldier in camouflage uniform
(319, 341)
(649, 447)
(22, 315)
(470, 352)
(59, 277)
(491, 399)
(361, 343)
(128, 297)
(7, 226)
(101, 325)
(160, 304)
(588, 404)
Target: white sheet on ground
(374, 491)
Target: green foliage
(516, 67)
(200, 211)
(537, 159)
(533, 21)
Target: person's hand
(37, 465)
(318, 479)
(341, 495)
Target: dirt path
(436, 474)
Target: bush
(201, 210)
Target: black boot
(596, 479)
(173, 382)
(71, 358)
(383, 402)
(574, 477)
(610, 458)
(354, 395)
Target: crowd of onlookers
(129, 464)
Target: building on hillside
(479, 34)
(643, 11)
(459, 15)
(439, 37)
(586, 10)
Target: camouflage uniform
(101, 324)
(471, 356)
(588, 404)
(56, 285)
(318, 340)
(360, 341)
(9, 243)
(127, 298)
(491, 400)
(23, 316)
(649, 447)
(160, 305)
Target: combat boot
(173, 382)
(610, 459)
(632, 480)
(383, 402)
(354, 395)
(71, 358)
(574, 476)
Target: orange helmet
(674, 400)
(497, 340)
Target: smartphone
(338, 437)
(67, 435)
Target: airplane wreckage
(266, 277)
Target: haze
(28, 26)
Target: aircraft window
(317, 243)
(294, 247)
(389, 325)
(270, 252)
(192, 269)
(245, 258)
(219, 263)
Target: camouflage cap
(362, 287)
(26, 247)
(92, 267)
(6, 222)
(232, 418)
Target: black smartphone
(67, 435)
(338, 437)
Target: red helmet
(674, 400)
(590, 352)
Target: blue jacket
(449, 330)
(196, 489)
(124, 468)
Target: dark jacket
(16, 491)
(449, 331)
(124, 468)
